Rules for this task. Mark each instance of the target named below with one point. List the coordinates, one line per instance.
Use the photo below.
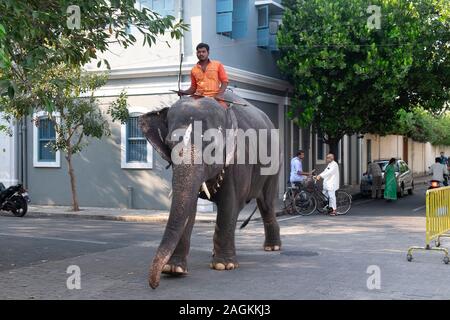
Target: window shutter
(224, 16)
(224, 6)
(163, 7)
(224, 22)
(240, 18)
(263, 37)
(146, 4)
(158, 6)
(169, 8)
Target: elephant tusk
(205, 189)
(170, 193)
(187, 135)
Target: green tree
(428, 81)
(76, 117)
(423, 126)
(38, 37)
(347, 77)
(4, 63)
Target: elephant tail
(248, 219)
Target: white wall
(420, 155)
(166, 51)
(7, 157)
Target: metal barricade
(437, 221)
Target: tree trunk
(73, 185)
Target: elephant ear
(154, 128)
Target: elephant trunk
(186, 182)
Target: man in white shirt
(330, 178)
(438, 170)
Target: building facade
(123, 170)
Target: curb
(123, 218)
(154, 218)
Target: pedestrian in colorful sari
(390, 187)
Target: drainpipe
(180, 16)
(24, 152)
(360, 161)
(18, 141)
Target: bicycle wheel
(304, 203)
(322, 204)
(288, 202)
(343, 202)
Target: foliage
(74, 111)
(118, 109)
(422, 126)
(351, 79)
(38, 38)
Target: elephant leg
(266, 205)
(224, 254)
(177, 264)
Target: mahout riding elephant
(230, 183)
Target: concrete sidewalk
(130, 215)
(143, 215)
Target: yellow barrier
(437, 221)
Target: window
(263, 32)
(403, 167)
(369, 150)
(269, 21)
(136, 151)
(136, 142)
(320, 148)
(232, 18)
(263, 17)
(44, 135)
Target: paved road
(322, 258)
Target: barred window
(136, 142)
(46, 136)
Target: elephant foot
(176, 267)
(221, 264)
(272, 248)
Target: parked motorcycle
(14, 199)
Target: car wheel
(410, 191)
(402, 191)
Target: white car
(404, 175)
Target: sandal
(333, 213)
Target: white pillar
(346, 160)
(8, 156)
(281, 179)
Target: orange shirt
(208, 83)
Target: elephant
(229, 184)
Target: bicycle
(343, 200)
(298, 202)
